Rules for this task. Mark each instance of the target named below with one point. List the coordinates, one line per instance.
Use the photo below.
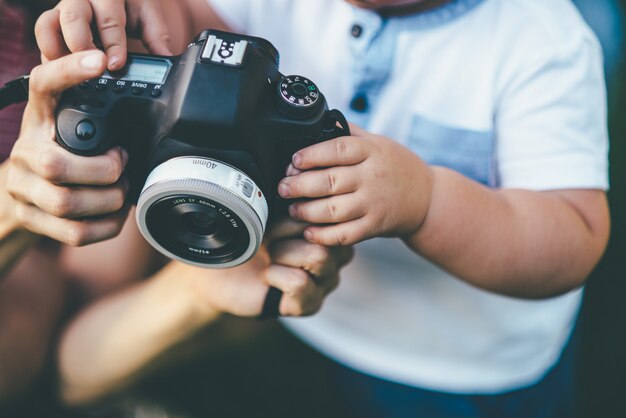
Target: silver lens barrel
(202, 212)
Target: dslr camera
(209, 135)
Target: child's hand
(363, 186)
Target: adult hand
(73, 199)
(306, 273)
(68, 28)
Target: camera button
(119, 89)
(85, 130)
(101, 87)
(156, 93)
(137, 91)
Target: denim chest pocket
(471, 153)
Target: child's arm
(515, 242)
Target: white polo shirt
(509, 93)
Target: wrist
(422, 197)
(183, 281)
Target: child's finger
(345, 150)
(347, 233)
(342, 208)
(322, 183)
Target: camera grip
(83, 130)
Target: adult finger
(66, 202)
(71, 232)
(155, 33)
(49, 80)
(330, 210)
(316, 259)
(49, 35)
(285, 228)
(111, 24)
(76, 17)
(319, 183)
(301, 296)
(60, 166)
(345, 150)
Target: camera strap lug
(337, 118)
(15, 91)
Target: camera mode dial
(298, 96)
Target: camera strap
(15, 91)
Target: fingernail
(308, 235)
(289, 170)
(124, 155)
(292, 211)
(113, 61)
(91, 61)
(283, 190)
(296, 160)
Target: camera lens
(213, 215)
(201, 229)
(200, 223)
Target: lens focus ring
(225, 189)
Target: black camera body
(209, 135)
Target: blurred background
(602, 360)
(243, 368)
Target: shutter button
(356, 31)
(85, 130)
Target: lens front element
(202, 212)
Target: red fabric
(17, 57)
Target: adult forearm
(114, 339)
(31, 302)
(514, 242)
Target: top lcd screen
(143, 69)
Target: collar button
(356, 31)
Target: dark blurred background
(602, 361)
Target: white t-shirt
(508, 92)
